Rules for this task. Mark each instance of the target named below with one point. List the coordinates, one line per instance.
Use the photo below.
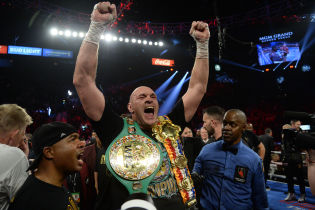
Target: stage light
(81, 34)
(74, 34)
(217, 67)
(49, 111)
(289, 64)
(108, 37)
(267, 70)
(306, 68)
(67, 33)
(69, 93)
(53, 31)
(280, 79)
(172, 69)
(83, 127)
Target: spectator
(252, 141)
(293, 158)
(212, 122)
(233, 172)
(58, 151)
(204, 135)
(14, 163)
(267, 140)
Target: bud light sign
(57, 53)
(18, 50)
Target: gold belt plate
(134, 157)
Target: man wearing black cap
(58, 152)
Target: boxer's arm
(91, 97)
(200, 72)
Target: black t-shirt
(268, 143)
(39, 195)
(100, 167)
(192, 148)
(163, 188)
(103, 174)
(251, 140)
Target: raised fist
(199, 31)
(104, 12)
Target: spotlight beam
(163, 87)
(165, 94)
(239, 65)
(287, 65)
(277, 66)
(172, 98)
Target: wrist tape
(202, 49)
(95, 31)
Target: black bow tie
(227, 147)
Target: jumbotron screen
(277, 52)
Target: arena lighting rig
(106, 37)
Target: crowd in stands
(261, 113)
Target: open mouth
(149, 110)
(79, 157)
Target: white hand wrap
(202, 49)
(96, 29)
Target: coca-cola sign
(162, 62)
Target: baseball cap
(47, 135)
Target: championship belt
(133, 158)
(168, 134)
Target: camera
(296, 141)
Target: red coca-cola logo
(162, 62)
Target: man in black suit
(267, 140)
